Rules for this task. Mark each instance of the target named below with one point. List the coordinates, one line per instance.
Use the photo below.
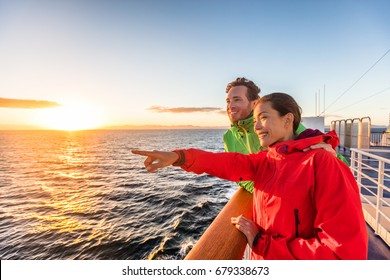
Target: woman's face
(270, 126)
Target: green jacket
(242, 138)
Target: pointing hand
(157, 159)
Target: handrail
(221, 240)
(345, 129)
(376, 207)
(369, 153)
(380, 139)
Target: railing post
(359, 170)
(221, 240)
(356, 167)
(379, 197)
(353, 163)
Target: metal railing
(353, 133)
(372, 173)
(380, 139)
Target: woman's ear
(289, 119)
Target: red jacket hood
(292, 146)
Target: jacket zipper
(246, 145)
(297, 222)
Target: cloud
(178, 110)
(26, 103)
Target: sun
(71, 117)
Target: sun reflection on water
(69, 199)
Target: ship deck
(377, 248)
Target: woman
(306, 205)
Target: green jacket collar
(244, 125)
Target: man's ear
(252, 104)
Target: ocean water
(83, 195)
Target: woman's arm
(230, 166)
(235, 167)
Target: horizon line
(130, 127)
(114, 127)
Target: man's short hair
(253, 89)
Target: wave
(85, 196)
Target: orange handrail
(221, 240)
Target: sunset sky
(84, 64)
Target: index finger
(142, 153)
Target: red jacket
(306, 204)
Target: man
(241, 137)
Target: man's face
(237, 104)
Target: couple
(306, 205)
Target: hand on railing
(247, 227)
